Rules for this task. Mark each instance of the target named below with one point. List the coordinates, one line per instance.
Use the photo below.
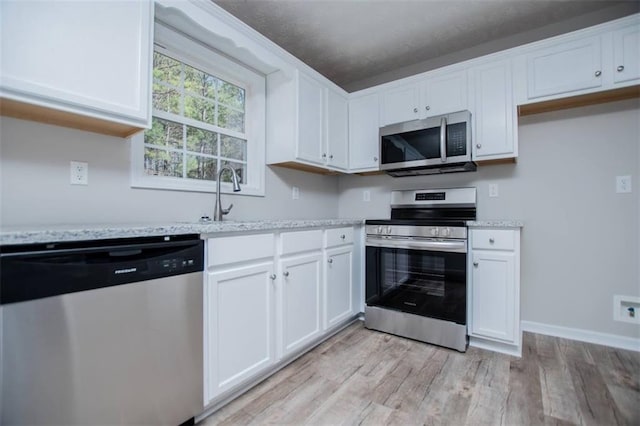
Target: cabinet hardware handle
(375, 158)
(331, 157)
(272, 276)
(324, 155)
(491, 240)
(479, 146)
(475, 264)
(598, 73)
(285, 273)
(342, 237)
(620, 68)
(427, 107)
(415, 110)
(330, 260)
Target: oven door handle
(454, 246)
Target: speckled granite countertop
(495, 224)
(46, 234)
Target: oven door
(422, 277)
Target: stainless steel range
(416, 266)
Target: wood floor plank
(558, 394)
(596, 403)
(524, 399)
(365, 377)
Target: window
(208, 112)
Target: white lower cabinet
(270, 296)
(301, 297)
(494, 290)
(338, 285)
(239, 326)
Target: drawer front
(295, 242)
(339, 236)
(493, 239)
(224, 250)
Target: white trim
(613, 340)
(494, 346)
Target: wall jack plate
(626, 309)
(79, 173)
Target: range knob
(379, 229)
(389, 230)
(446, 232)
(434, 232)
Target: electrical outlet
(366, 196)
(295, 193)
(623, 184)
(79, 173)
(493, 190)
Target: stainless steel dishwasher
(102, 333)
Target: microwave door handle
(443, 139)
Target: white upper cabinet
(494, 117)
(364, 130)
(626, 54)
(565, 67)
(337, 134)
(400, 104)
(87, 60)
(439, 93)
(307, 123)
(310, 119)
(444, 93)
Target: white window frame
(197, 55)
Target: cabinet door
(337, 131)
(626, 54)
(400, 104)
(493, 292)
(91, 58)
(338, 285)
(239, 326)
(301, 279)
(310, 116)
(444, 94)
(566, 67)
(493, 114)
(364, 133)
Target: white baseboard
(613, 340)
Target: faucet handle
(226, 211)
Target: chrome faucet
(220, 212)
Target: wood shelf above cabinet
(25, 111)
(629, 92)
(307, 168)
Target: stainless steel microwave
(439, 144)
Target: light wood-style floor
(364, 377)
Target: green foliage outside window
(194, 149)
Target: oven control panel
(416, 231)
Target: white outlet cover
(79, 173)
(366, 196)
(493, 190)
(295, 193)
(623, 184)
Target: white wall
(580, 240)
(34, 175)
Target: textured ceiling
(359, 43)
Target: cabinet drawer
(295, 242)
(493, 239)
(240, 248)
(339, 236)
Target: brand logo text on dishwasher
(125, 271)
